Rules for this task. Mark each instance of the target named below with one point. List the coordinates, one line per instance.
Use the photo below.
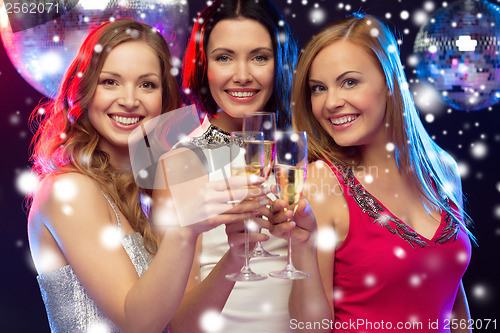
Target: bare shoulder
(324, 193)
(66, 197)
(64, 207)
(322, 181)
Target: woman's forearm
(308, 302)
(154, 299)
(211, 294)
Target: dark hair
(194, 67)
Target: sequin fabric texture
(212, 138)
(69, 307)
(374, 209)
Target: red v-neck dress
(387, 277)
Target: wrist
(184, 235)
(234, 259)
(307, 246)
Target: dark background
(21, 307)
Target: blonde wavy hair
(433, 170)
(66, 141)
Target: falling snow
(65, 190)
(420, 17)
(98, 48)
(15, 119)
(473, 143)
(317, 16)
(48, 260)
(26, 182)
(99, 328)
(111, 237)
(327, 239)
(370, 280)
(211, 322)
(479, 291)
(464, 169)
(374, 32)
(496, 211)
(174, 71)
(415, 280)
(267, 307)
(67, 210)
(143, 174)
(252, 226)
(429, 6)
(399, 252)
(479, 150)
(462, 257)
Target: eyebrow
(338, 77)
(258, 49)
(140, 77)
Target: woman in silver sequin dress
(239, 60)
(90, 240)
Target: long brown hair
(356, 30)
(433, 170)
(65, 140)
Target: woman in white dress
(239, 60)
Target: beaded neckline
(372, 207)
(212, 138)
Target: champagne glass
(290, 172)
(247, 160)
(264, 122)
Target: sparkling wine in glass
(290, 172)
(247, 159)
(264, 122)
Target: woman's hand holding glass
(264, 122)
(236, 231)
(247, 153)
(290, 172)
(303, 226)
(207, 204)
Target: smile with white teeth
(241, 94)
(343, 120)
(126, 120)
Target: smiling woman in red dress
(388, 198)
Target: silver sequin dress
(69, 307)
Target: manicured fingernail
(256, 179)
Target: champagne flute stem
(289, 265)
(289, 255)
(247, 249)
(258, 247)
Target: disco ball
(42, 37)
(458, 53)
